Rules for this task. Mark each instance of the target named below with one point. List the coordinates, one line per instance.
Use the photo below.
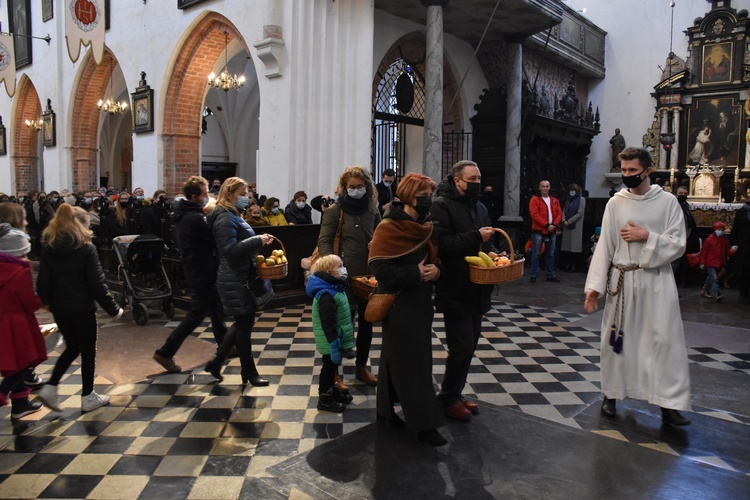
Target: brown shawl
(396, 238)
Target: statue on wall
(674, 65)
(618, 144)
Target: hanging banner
(84, 25)
(7, 64)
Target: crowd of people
(412, 235)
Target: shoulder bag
(261, 292)
(378, 306)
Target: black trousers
(327, 374)
(203, 301)
(364, 334)
(79, 332)
(462, 333)
(13, 384)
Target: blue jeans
(712, 281)
(549, 253)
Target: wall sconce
(36, 123)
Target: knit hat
(13, 241)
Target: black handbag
(261, 292)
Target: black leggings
(364, 334)
(79, 332)
(14, 383)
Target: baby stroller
(144, 279)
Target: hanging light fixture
(110, 105)
(224, 80)
(36, 123)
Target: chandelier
(36, 123)
(224, 80)
(110, 105)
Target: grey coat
(572, 239)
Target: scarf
(354, 207)
(396, 238)
(571, 208)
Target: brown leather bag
(378, 306)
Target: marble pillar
(433, 91)
(512, 194)
(664, 130)
(676, 145)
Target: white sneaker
(93, 401)
(48, 395)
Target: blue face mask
(572, 194)
(300, 204)
(356, 193)
(242, 202)
(275, 210)
(719, 233)
(387, 184)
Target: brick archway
(25, 156)
(185, 93)
(84, 147)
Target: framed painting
(49, 132)
(184, 4)
(19, 23)
(47, 13)
(716, 61)
(3, 144)
(714, 127)
(143, 111)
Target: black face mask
(682, 199)
(423, 204)
(472, 189)
(632, 181)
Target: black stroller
(144, 279)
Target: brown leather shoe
(457, 411)
(167, 363)
(471, 406)
(340, 383)
(364, 375)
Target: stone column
(676, 145)
(664, 130)
(512, 194)
(433, 90)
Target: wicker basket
(277, 272)
(360, 288)
(497, 275)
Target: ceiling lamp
(224, 80)
(110, 105)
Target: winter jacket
(237, 246)
(330, 312)
(22, 342)
(356, 235)
(715, 251)
(385, 194)
(274, 220)
(540, 214)
(456, 219)
(71, 280)
(295, 215)
(196, 244)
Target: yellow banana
(475, 261)
(487, 260)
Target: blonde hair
(326, 264)
(359, 173)
(82, 216)
(66, 222)
(120, 213)
(228, 188)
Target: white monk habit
(653, 364)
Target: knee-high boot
(215, 365)
(249, 370)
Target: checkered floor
(183, 435)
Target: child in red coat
(713, 258)
(22, 341)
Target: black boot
(608, 407)
(214, 368)
(326, 402)
(673, 417)
(250, 372)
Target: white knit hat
(13, 241)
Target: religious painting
(717, 63)
(19, 23)
(714, 129)
(47, 13)
(49, 134)
(143, 111)
(184, 4)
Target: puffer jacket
(71, 280)
(295, 215)
(330, 312)
(237, 246)
(274, 220)
(196, 243)
(456, 219)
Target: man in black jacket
(386, 189)
(197, 251)
(461, 224)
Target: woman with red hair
(404, 257)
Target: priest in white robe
(643, 353)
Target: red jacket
(715, 251)
(22, 342)
(540, 215)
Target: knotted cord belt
(616, 334)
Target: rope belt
(616, 334)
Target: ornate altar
(705, 183)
